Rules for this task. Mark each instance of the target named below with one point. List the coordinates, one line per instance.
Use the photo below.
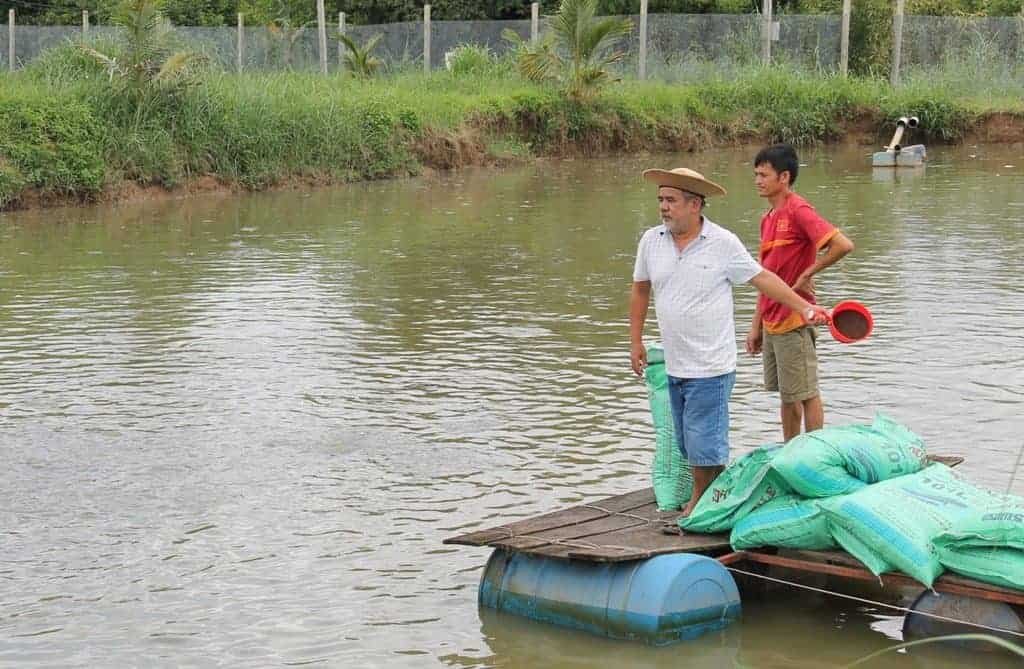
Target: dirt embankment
(474, 145)
(997, 128)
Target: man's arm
(834, 250)
(776, 289)
(755, 336)
(639, 300)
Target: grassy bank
(64, 135)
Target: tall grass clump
(783, 105)
(259, 129)
(469, 59)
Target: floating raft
(607, 568)
(616, 529)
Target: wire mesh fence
(935, 40)
(678, 45)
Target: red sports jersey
(791, 237)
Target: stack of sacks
(821, 466)
(892, 525)
(670, 470)
(840, 460)
(987, 545)
(870, 490)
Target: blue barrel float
(660, 600)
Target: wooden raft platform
(628, 527)
(615, 529)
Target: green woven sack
(987, 545)
(891, 525)
(745, 485)
(670, 470)
(788, 521)
(840, 460)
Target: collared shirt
(693, 296)
(791, 237)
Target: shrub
(49, 143)
(359, 60)
(469, 59)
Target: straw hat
(684, 179)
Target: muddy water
(235, 430)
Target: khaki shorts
(791, 364)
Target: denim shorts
(700, 412)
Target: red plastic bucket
(850, 322)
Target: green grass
(63, 131)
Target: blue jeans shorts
(700, 412)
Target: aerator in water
(897, 155)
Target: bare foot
(688, 509)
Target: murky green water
(236, 430)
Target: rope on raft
(862, 600)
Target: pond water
(235, 430)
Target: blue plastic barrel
(660, 600)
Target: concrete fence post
(85, 24)
(10, 39)
(897, 42)
(240, 47)
(321, 33)
(766, 32)
(426, 38)
(534, 22)
(341, 47)
(844, 40)
(643, 40)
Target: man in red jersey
(796, 244)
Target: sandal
(671, 528)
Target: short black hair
(782, 158)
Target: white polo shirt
(693, 296)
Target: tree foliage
(146, 64)
(359, 60)
(577, 50)
(261, 12)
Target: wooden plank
(948, 460)
(632, 543)
(586, 530)
(614, 529)
(648, 543)
(950, 578)
(556, 519)
(840, 557)
(958, 586)
(730, 558)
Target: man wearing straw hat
(691, 264)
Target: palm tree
(577, 50)
(147, 61)
(359, 60)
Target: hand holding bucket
(850, 321)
